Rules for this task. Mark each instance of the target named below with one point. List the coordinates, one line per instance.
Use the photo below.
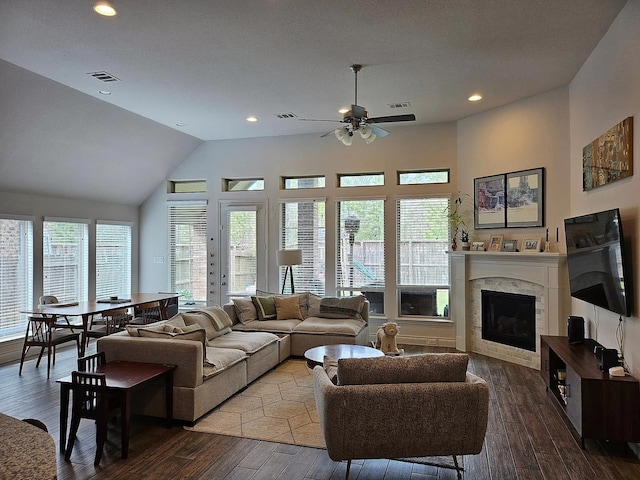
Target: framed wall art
(525, 198)
(495, 243)
(489, 202)
(477, 246)
(509, 246)
(609, 157)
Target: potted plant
(456, 214)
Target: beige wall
(604, 92)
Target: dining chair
(147, 313)
(41, 332)
(51, 299)
(90, 401)
(90, 363)
(111, 322)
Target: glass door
(243, 250)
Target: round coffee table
(315, 356)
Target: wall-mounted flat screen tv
(597, 260)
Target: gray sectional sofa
(217, 355)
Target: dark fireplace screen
(509, 318)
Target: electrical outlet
(158, 259)
(432, 341)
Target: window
(187, 186)
(360, 251)
(113, 260)
(242, 184)
(303, 227)
(295, 183)
(188, 251)
(422, 262)
(65, 260)
(423, 177)
(361, 180)
(16, 274)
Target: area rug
(280, 407)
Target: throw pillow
(217, 315)
(330, 366)
(266, 307)
(341, 307)
(205, 321)
(288, 308)
(313, 309)
(245, 310)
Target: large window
(188, 251)
(422, 262)
(16, 275)
(66, 260)
(303, 227)
(113, 260)
(360, 251)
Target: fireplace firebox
(509, 319)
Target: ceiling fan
(357, 120)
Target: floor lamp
(288, 258)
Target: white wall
(36, 208)
(603, 93)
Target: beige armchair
(397, 407)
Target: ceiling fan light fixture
(347, 140)
(370, 138)
(365, 132)
(341, 133)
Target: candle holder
(547, 247)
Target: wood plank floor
(527, 438)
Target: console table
(597, 405)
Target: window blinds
(66, 260)
(113, 260)
(16, 275)
(303, 227)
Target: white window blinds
(16, 275)
(303, 227)
(66, 260)
(187, 222)
(360, 251)
(113, 260)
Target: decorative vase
(466, 246)
(454, 245)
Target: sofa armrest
(185, 354)
(402, 420)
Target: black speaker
(575, 329)
(608, 359)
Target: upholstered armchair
(397, 407)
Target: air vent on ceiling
(104, 77)
(285, 115)
(399, 105)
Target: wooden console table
(597, 405)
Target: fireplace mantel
(547, 271)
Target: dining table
(87, 309)
(26, 451)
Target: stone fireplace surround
(542, 275)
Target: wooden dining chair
(147, 313)
(90, 363)
(111, 322)
(66, 323)
(41, 332)
(90, 401)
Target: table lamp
(288, 258)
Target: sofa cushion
(330, 366)
(245, 309)
(265, 307)
(218, 317)
(341, 307)
(248, 342)
(303, 299)
(133, 329)
(425, 368)
(277, 326)
(313, 305)
(205, 321)
(219, 359)
(324, 326)
(288, 308)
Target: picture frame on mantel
(525, 198)
(489, 202)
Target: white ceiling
(211, 63)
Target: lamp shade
(289, 257)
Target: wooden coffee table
(315, 356)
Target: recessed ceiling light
(476, 97)
(104, 92)
(343, 110)
(252, 119)
(180, 124)
(104, 8)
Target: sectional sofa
(217, 354)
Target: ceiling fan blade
(330, 132)
(393, 118)
(317, 120)
(378, 131)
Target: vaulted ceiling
(194, 71)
